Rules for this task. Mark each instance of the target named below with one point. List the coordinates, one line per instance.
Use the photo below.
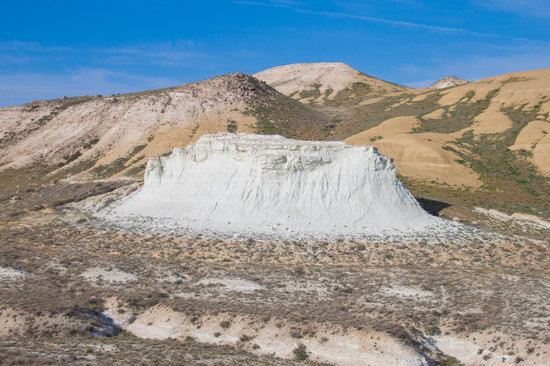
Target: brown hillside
(115, 135)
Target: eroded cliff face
(247, 183)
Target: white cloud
(22, 46)
(179, 53)
(88, 70)
(415, 25)
(372, 19)
(24, 87)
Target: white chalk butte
(257, 184)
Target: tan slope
(494, 108)
(420, 155)
(525, 92)
(110, 135)
(437, 114)
(324, 81)
(522, 91)
(514, 88)
(389, 128)
(492, 120)
(535, 138)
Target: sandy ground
(110, 275)
(330, 344)
(343, 303)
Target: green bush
(300, 352)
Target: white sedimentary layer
(247, 183)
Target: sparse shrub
(449, 361)
(434, 330)
(96, 304)
(245, 338)
(72, 156)
(300, 352)
(231, 126)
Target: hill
(325, 83)
(100, 137)
(488, 137)
(485, 137)
(480, 143)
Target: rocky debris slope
(324, 81)
(273, 186)
(109, 135)
(448, 82)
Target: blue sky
(54, 48)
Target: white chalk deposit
(274, 186)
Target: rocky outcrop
(448, 82)
(270, 185)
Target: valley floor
(64, 279)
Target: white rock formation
(270, 185)
(448, 82)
